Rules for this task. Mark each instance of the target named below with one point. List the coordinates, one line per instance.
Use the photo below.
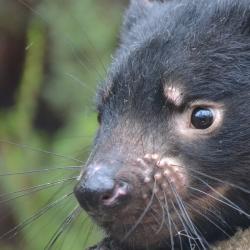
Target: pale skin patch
(174, 95)
(171, 170)
(165, 172)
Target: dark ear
(246, 23)
(138, 9)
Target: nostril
(98, 188)
(106, 197)
(119, 193)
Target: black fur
(203, 46)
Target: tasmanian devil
(170, 165)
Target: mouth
(155, 222)
(118, 195)
(157, 201)
(158, 181)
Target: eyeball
(202, 118)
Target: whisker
(243, 189)
(184, 217)
(41, 151)
(78, 232)
(213, 212)
(221, 181)
(80, 82)
(208, 219)
(91, 44)
(182, 220)
(223, 202)
(141, 217)
(155, 215)
(217, 192)
(84, 65)
(71, 217)
(39, 171)
(189, 223)
(177, 230)
(169, 221)
(34, 189)
(189, 237)
(89, 232)
(67, 39)
(163, 215)
(15, 230)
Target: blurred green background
(52, 55)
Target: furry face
(171, 160)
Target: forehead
(177, 73)
(181, 50)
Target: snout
(99, 188)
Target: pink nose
(100, 190)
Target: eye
(202, 118)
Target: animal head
(170, 161)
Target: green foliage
(69, 46)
